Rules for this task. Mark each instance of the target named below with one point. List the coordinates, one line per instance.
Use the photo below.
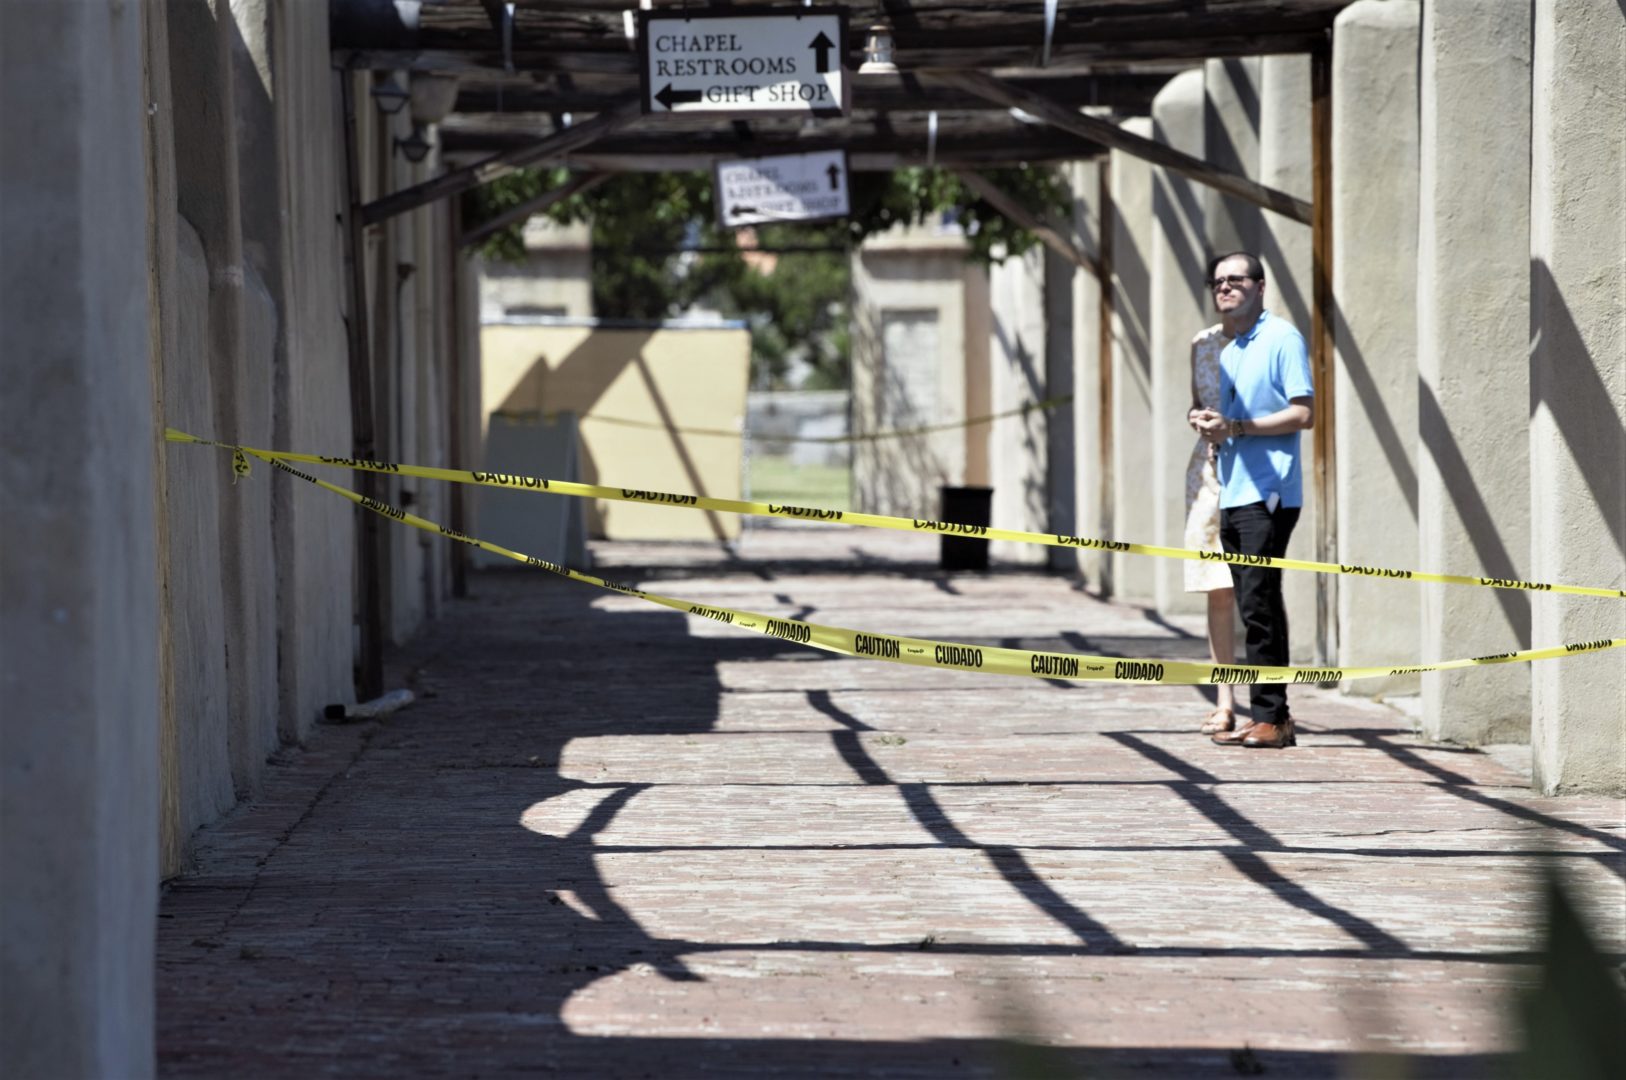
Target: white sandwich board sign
(786, 187)
(743, 65)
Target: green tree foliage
(657, 250)
(797, 311)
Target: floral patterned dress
(1202, 484)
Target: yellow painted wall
(667, 381)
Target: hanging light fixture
(414, 147)
(389, 97)
(433, 96)
(878, 52)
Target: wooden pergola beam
(558, 144)
(902, 92)
(576, 185)
(1053, 237)
(1111, 135)
(494, 14)
(590, 56)
(371, 551)
(984, 139)
(860, 161)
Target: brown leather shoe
(1270, 736)
(1234, 738)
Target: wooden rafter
(576, 185)
(1053, 237)
(1111, 135)
(483, 172)
(1130, 92)
(869, 147)
(1323, 356)
(589, 35)
(488, 60)
(573, 57)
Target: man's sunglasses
(1233, 280)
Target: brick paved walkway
(612, 840)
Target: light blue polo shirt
(1261, 370)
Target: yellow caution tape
(927, 652)
(883, 521)
(1042, 405)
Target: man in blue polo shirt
(1266, 399)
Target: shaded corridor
(614, 840)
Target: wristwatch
(1236, 428)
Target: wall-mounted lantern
(414, 147)
(389, 97)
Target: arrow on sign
(821, 47)
(834, 172)
(669, 97)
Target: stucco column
(1374, 214)
(1473, 407)
(261, 375)
(1284, 248)
(195, 755)
(79, 627)
(1134, 577)
(314, 532)
(1089, 461)
(1016, 367)
(1180, 308)
(208, 58)
(1231, 137)
(1578, 387)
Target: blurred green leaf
(1574, 1019)
(798, 310)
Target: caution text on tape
(927, 652)
(884, 521)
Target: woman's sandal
(1220, 719)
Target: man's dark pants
(1254, 530)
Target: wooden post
(369, 538)
(1104, 420)
(1053, 237)
(454, 397)
(1322, 357)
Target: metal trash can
(965, 506)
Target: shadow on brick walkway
(613, 840)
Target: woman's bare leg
(1222, 638)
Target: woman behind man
(1202, 519)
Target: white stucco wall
(1285, 249)
(251, 293)
(1374, 214)
(1133, 577)
(1088, 476)
(1018, 445)
(1578, 387)
(914, 280)
(1181, 306)
(1473, 394)
(314, 540)
(79, 733)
